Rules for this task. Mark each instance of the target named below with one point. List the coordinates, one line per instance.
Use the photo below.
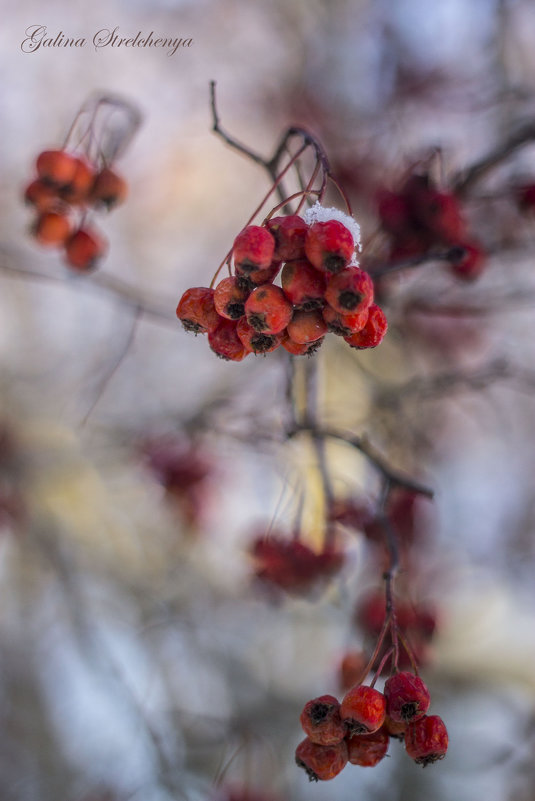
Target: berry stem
(382, 664)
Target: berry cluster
(66, 185)
(292, 566)
(358, 730)
(321, 290)
(419, 216)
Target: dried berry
(329, 246)
(321, 720)
(303, 285)
(407, 697)
(367, 750)
(350, 291)
(268, 310)
(289, 233)
(373, 332)
(196, 310)
(253, 249)
(363, 709)
(321, 762)
(426, 740)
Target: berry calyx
(329, 246)
(321, 762)
(255, 341)
(407, 697)
(321, 720)
(289, 233)
(268, 310)
(373, 332)
(363, 710)
(225, 342)
(467, 261)
(349, 291)
(253, 249)
(196, 310)
(258, 277)
(367, 750)
(306, 326)
(303, 285)
(229, 298)
(84, 249)
(426, 740)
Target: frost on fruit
(319, 213)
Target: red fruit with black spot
(303, 285)
(329, 246)
(363, 710)
(84, 249)
(56, 167)
(258, 277)
(253, 249)
(321, 762)
(196, 310)
(300, 350)
(373, 332)
(467, 261)
(268, 310)
(350, 291)
(321, 720)
(225, 342)
(289, 233)
(306, 326)
(229, 298)
(109, 189)
(344, 325)
(367, 750)
(426, 740)
(255, 341)
(42, 196)
(407, 697)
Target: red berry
(373, 332)
(329, 246)
(267, 309)
(253, 249)
(255, 341)
(291, 565)
(303, 285)
(363, 709)
(56, 167)
(344, 325)
(109, 189)
(407, 697)
(84, 249)
(229, 298)
(467, 261)
(321, 720)
(439, 213)
(78, 188)
(306, 326)
(41, 195)
(289, 233)
(367, 750)
(321, 762)
(258, 277)
(196, 310)
(52, 228)
(426, 740)
(225, 342)
(300, 350)
(350, 291)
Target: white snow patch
(319, 213)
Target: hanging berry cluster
(419, 217)
(322, 289)
(359, 729)
(79, 178)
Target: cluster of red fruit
(359, 729)
(67, 184)
(321, 290)
(290, 565)
(419, 216)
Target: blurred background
(139, 656)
